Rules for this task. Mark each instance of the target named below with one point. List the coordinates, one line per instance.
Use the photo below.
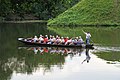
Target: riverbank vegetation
(33, 9)
(90, 12)
(105, 36)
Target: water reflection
(48, 57)
(106, 48)
(26, 61)
(110, 54)
(61, 51)
(54, 50)
(87, 56)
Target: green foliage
(90, 12)
(5, 7)
(43, 9)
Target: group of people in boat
(60, 40)
(57, 40)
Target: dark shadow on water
(87, 59)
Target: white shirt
(81, 40)
(35, 39)
(88, 35)
(41, 39)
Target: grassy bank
(100, 35)
(90, 12)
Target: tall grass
(90, 12)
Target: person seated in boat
(41, 40)
(46, 40)
(57, 37)
(62, 40)
(75, 41)
(50, 41)
(58, 40)
(66, 39)
(46, 36)
(50, 36)
(35, 39)
(69, 42)
(80, 41)
(29, 39)
(54, 40)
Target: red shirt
(45, 40)
(66, 39)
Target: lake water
(18, 62)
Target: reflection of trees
(27, 62)
(5, 73)
(110, 57)
(10, 60)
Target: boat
(26, 42)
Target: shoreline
(85, 25)
(25, 21)
(61, 25)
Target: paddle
(83, 31)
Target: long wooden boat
(23, 40)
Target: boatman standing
(88, 35)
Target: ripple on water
(106, 49)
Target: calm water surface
(18, 62)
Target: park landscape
(27, 18)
